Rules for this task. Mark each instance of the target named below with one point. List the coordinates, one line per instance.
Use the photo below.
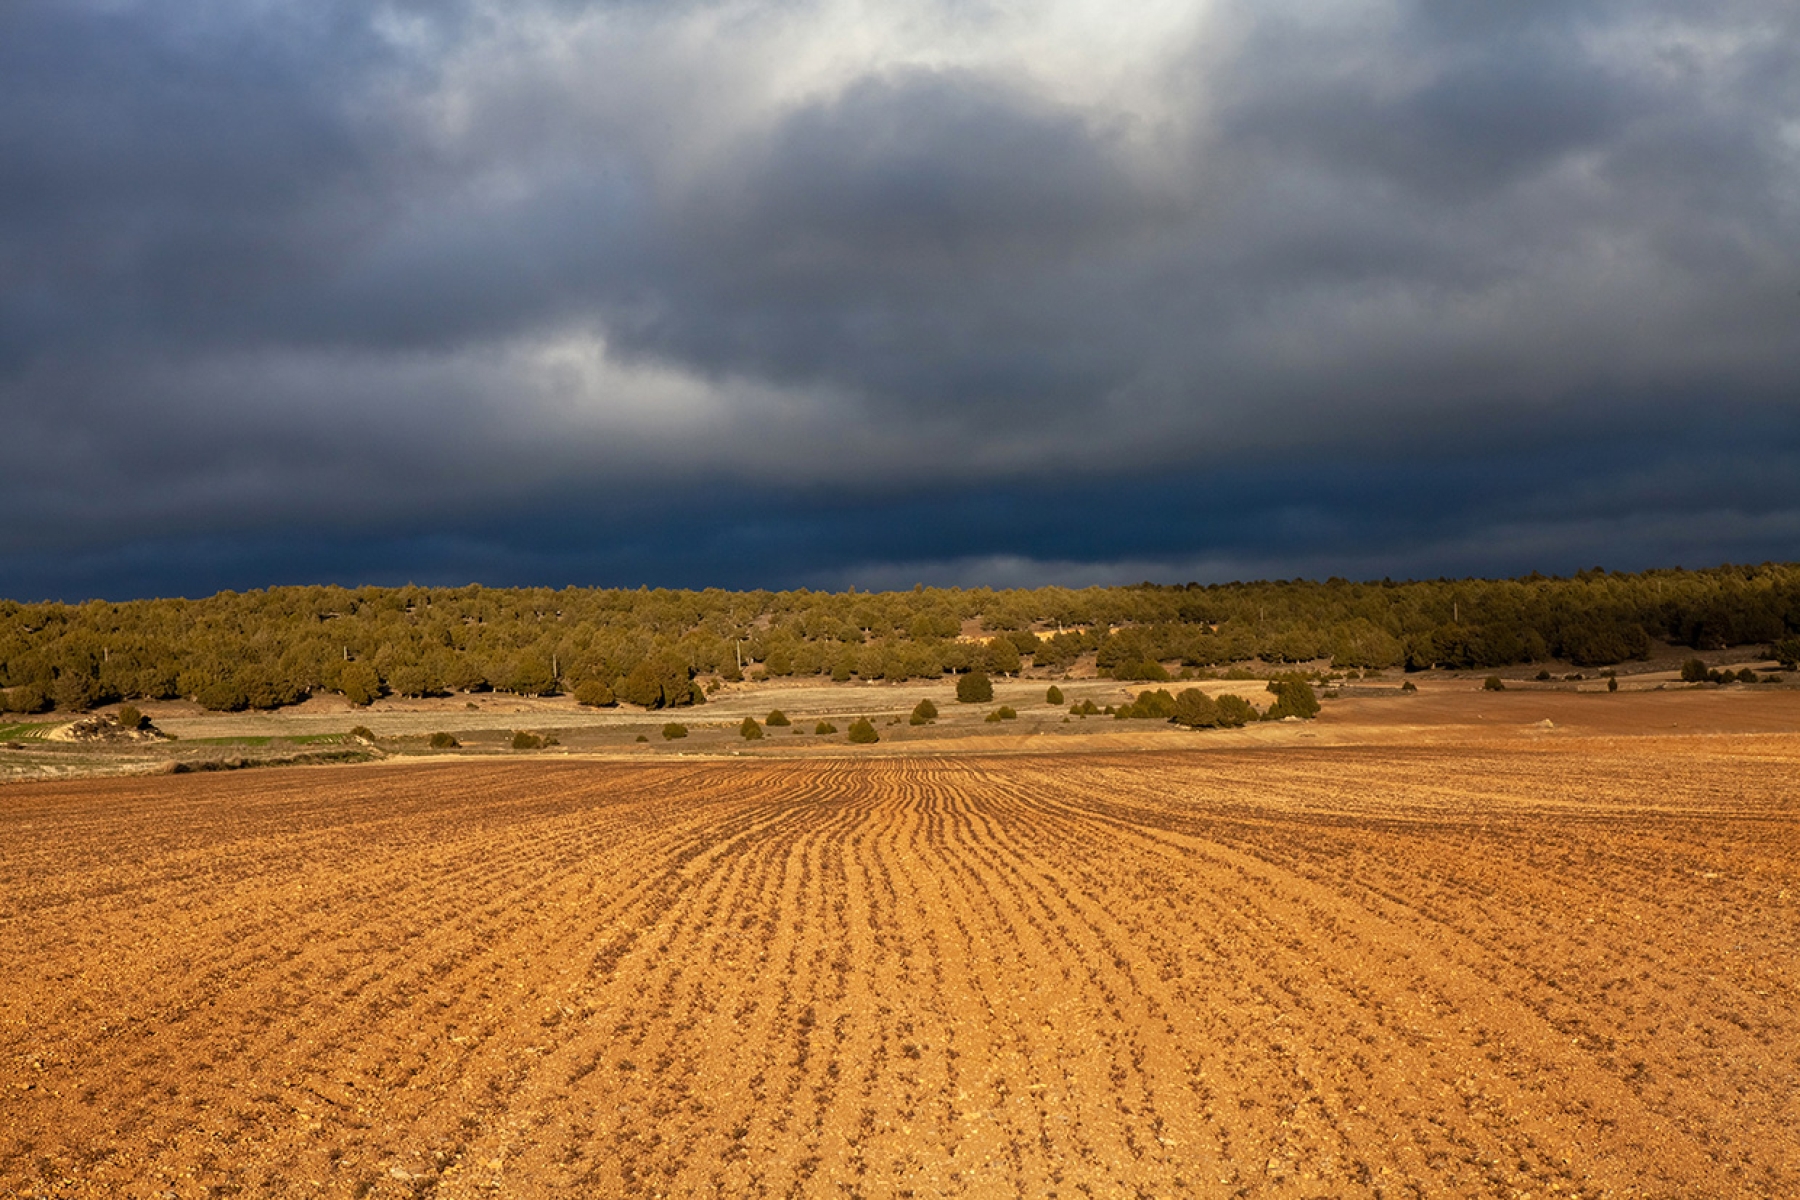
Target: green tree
(923, 713)
(358, 682)
(1294, 697)
(674, 730)
(1054, 695)
(661, 681)
(750, 731)
(1235, 712)
(1003, 657)
(862, 732)
(594, 694)
(776, 718)
(974, 688)
(1196, 710)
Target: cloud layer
(566, 292)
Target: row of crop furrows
(1447, 942)
(865, 977)
(1647, 938)
(350, 987)
(1262, 949)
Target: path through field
(1564, 970)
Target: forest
(658, 648)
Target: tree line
(655, 647)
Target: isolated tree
(674, 730)
(750, 731)
(923, 713)
(1054, 695)
(1294, 697)
(862, 732)
(974, 688)
(776, 718)
(1196, 710)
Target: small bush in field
(862, 732)
(673, 730)
(523, 740)
(824, 727)
(776, 718)
(444, 741)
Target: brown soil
(1497, 967)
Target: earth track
(1477, 970)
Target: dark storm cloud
(571, 287)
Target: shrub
(642, 738)
(1693, 671)
(1149, 706)
(673, 730)
(923, 713)
(1141, 671)
(750, 731)
(363, 732)
(1196, 710)
(1409, 686)
(1054, 695)
(1612, 683)
(776, 718)
(1235, 712)
(1007, 712)
(862, 732)
(526, 741)
(1786, 652)
(1493, 683)
(974, 688)
(1543, 676)
(824, 727)
(444, 741)
(594, 694)
(1294, 697)
(1084, 708)
(131, 719)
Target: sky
(822, 293)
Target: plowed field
(1562, 969)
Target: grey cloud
(271, 266)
